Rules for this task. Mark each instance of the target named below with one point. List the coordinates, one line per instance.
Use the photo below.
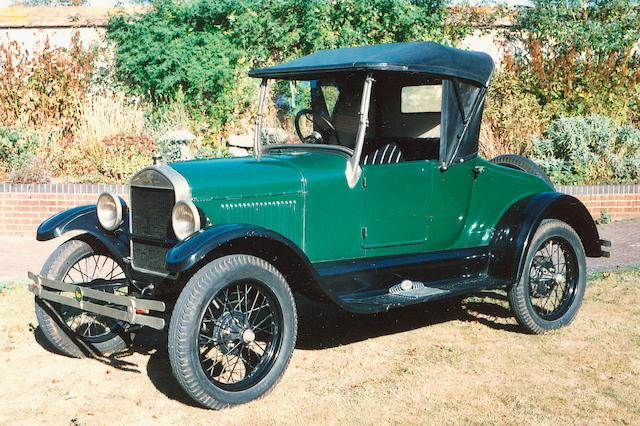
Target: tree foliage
(203, 48)
(577, 56)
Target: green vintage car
(364, 189)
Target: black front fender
(85, 218)
(514, 231)
(275, 248)
(189, 252)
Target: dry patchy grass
(432, 364)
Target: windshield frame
(353, 170)
(260, 147)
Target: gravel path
(19, 255)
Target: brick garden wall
(24, 206)
(619, 201)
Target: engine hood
(224, 178)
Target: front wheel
(553, 279)
(75, 261)
(232, 331)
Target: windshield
(319, 112)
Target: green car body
(404, 208)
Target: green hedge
(589, 150)
(203, 48)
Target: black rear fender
(514, 231)
(201, 248)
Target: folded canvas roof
(424, 57)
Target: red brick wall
(23, 207)
(618, 206)
(619, 201)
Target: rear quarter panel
(494, 191)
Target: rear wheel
(521, 163)
(232, 331)
(553, 279)
(76, 261)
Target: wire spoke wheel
(77, 262)
(239, 335)
(232, 331)
(551, 287)
(552, 279)
(92, 327)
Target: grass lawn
(429, 364)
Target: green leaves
(17, 143)
(578, 56)
(588, 150)
(205, 47)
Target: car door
(452, 190)
(396, 204)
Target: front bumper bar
(133, 314)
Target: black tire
(553, 279)
(63, 265)
(216, 328)
(521, 163)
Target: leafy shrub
(121, 156)
(30, 170)
(74, 156)
(41, 87)
(578, 57)
(16, 144)
(511, 119)
(171, 114)
(589, 150)
(177, 151)
(204, 48)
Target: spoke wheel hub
(248, 336)
(230, 329)
(552, 279)
(239, 335)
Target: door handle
(477, 170)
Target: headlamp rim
(119, 216)
(194, 212)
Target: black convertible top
(419, 57)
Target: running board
(412, 292)
(133, 314)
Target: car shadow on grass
(320, 326)
(153, 343)
(324, 326)
(147, 342)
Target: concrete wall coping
(88, 188)
(599, 189)
(63, 188)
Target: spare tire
(524, 164)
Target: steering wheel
(325, 127)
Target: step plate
(421, 292)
